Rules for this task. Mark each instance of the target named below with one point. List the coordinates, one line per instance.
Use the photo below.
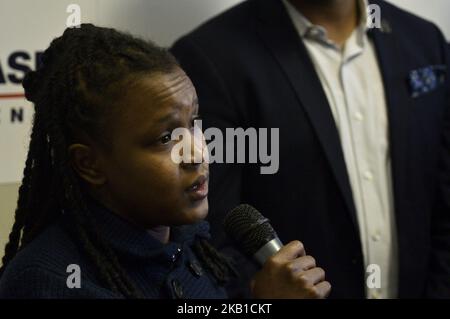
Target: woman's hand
(290, 274)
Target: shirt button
(177, 289)
(376, 237)
(359, 116)
(368, 175)
(196, 268)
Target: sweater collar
(134, 242)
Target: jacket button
(196, 268)
(177, 289)
(175, 256)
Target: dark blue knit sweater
(159, 271)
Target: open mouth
(199, 189)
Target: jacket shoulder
(224, 27)
(408, 25)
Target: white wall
(161, 20)
(437, 11)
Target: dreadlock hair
(73, 92)
(221, 266)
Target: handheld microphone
(252, 233)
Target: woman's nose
(198, 151)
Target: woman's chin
(197, 213)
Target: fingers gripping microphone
(252, 232)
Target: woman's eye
(166, 139)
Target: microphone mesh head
(248, 228)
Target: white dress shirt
(351, 79)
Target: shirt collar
(306, 29)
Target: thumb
(290, 251)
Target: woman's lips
(199, 189)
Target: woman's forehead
(167, 88)
(156, 96)
(164, 86)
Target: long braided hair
(73, 92)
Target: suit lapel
(279, 35)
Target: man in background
(361, 116)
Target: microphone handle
(268, 250)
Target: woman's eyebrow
(172, 117)
(169, 117)
(164, 121)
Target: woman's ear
(86, 163)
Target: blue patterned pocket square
(427, 79)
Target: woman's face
(142, 182)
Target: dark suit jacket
(251, 69)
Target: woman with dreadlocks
(101, 192)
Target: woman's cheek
(167, 172)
